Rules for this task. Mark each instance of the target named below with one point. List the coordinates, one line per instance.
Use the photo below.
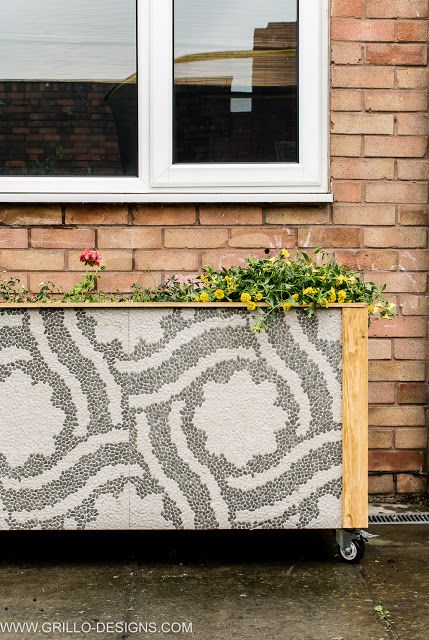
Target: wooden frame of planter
(354, 403)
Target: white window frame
(160, 180)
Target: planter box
(166, 416)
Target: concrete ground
(229, 585)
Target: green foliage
(381, 612)
(265, 285)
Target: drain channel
(409, 517)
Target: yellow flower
(295, 297)
(371, 308)
(351, 280)
(287, 306)
(197, 299)
(251, 306)
(245, 297)
(203, 277)
(332, 295)
(259, 296)
(231, 290)
(285, 253)
(309, 291)
(341, 279)
(204, 297)
(273, 260)
(342, 295)
(323, 302)
(219, 294)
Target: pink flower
(91, 257)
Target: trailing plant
(266, 286)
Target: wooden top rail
(168, 305)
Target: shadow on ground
(228, 585)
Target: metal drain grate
(410, 517)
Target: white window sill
(166, 197)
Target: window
(163, 100)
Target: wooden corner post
(355, 417)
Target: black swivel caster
(351, 544)
(353, 552)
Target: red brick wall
(380, 174)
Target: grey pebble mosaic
(174, 418)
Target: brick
(169, 260)
(385, 460)
(229, 258)
(31, 214)
(412, 78)
(346, 53)
(62, 238)
(399, 282)
(262, 237)
(412, 124)
(407, 483)
(363, 77)
(381, 484)
(347, 191)
(164, 215)
(414, 260)
(396, 8)
(96, 214)
(129, 238)
(414, 305)
(412, 30)
(365, 214)
(413, 169)
(396, 192)
(380, 438)
(62, 281)
(380, 349)
(410, 349)
(368, 260)
(345, 145)
(413, 215)
(395, 237)
(396, 416)
(346, 100)
(31, 260)
(115, 260)
(13, 238)
(403, 371)
(398, 327)
(362, 169)
(297, 215)
(381, 392)
(122, 281)
(346, 8)
(358, 123)
(362, 30)
(399, 54)
(412, 393)
(231, 215)
(396, 100)
(193, 238)
(395, 146)
(329, 237)
(411, 438)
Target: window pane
(68, 93)
(235, 81)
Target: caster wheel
(354, 553)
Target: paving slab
(228, 585)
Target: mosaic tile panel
(169, 418)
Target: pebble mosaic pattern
(169, 418)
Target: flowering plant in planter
(265, 285)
